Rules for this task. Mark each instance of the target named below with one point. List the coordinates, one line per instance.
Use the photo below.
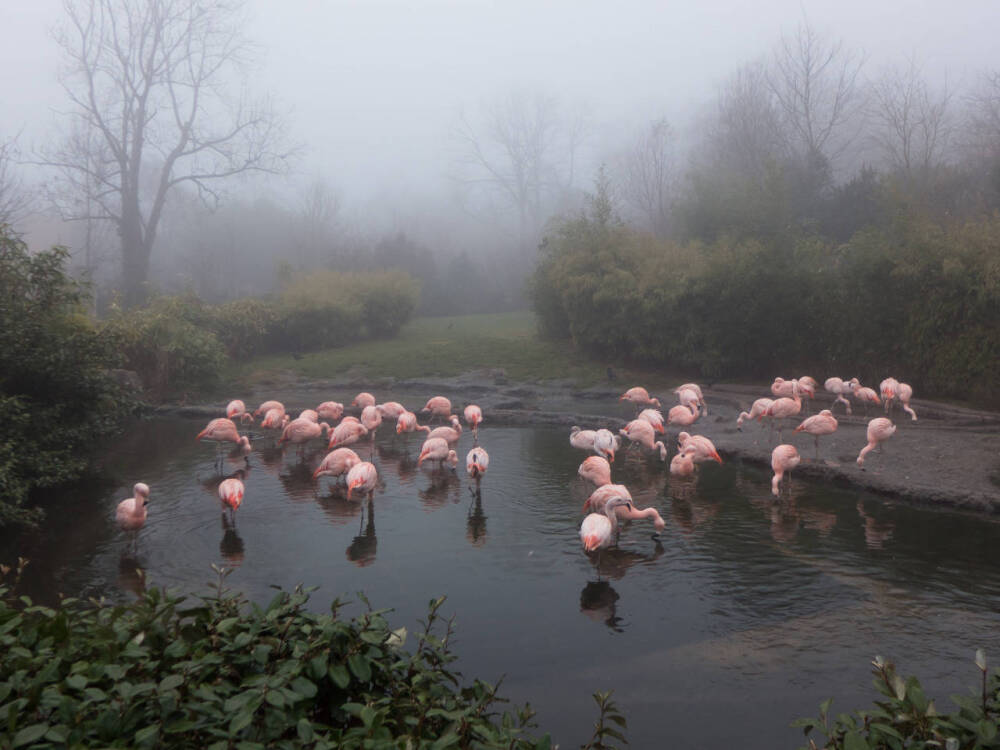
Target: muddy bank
(950, 456)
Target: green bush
(208, 672)
(245, 326)
(55, 394)
(906, 718)
(388, 299)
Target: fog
(375, 94)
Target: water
(743, 615)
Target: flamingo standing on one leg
(880, 429)
(640, 431)
(473, 417)
(231, 492)
(371, 418)
(888, 389)
(362, 476)
(823, 423)
(130, 515)
(784, 458)
(595, 469)
(905, 393)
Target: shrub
(244, 326)
(208, 672)
(55, 394)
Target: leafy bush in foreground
(218, 672)
(905, 718)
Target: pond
(743, 614)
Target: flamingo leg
(816, 438)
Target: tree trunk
(135, 257)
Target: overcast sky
(372, 87)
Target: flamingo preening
(697, 391)
(654, 417)
(598, 529)
(784, 458)
(130, 515)
(473, 417)
(595, 469)
(363, 476)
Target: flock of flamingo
(607, 504)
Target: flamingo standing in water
(605, 444)
(654, 417)
(600, 497)
(438, 406)
(595, 469)
(231, 493)
(683, 415)
(130, 515)
(391, 409)
(363, 399)
(300, 431)
(311, 414)
(598, 529)
(905, 393)
(407, 422)
(582, 439)
(880, 429)
(784, 458)
(437, 449)
(823, 423)
(697, 390)
(347, 432)
(700, 447)
(451, 434)
(337, 463)
(223, 430)
(275, 419)
(839, 387)
(682, 464)
(371, 418)
(267, 406)
(477, 461)
(640, 431)
(237, 408)
(331, 410)
(473, 417)
(362, 476)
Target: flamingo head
(141, 489)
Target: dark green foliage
(243, 326)
(605, 735)
(55, 396)
(218, 672)
(906, 718)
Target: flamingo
(362, 476)
(311, 414)
(231, 492)
(598, 529)
(781, 387)
(300, 431)
(237, 408)
(785, 407)
(437, 449)
(654, 417)
(582, 439)
(331, 410)
(130, 515)
(477, 461)
(267, 406)
(605, 444)
(687, 397)
(683, 415)
(600, 497)
(757, 411)
(700, 447)
(451, 434)
(391, 409)
(807, 389)
(823, 423)
(595, 469)
(682, 464)
(371, 418)
(888, 389)
(864, 395)
(363, 399)
(438, 406)
(346, 433)
(839, 387)
(905, 393)
(784, 458)
(337, 463)
(640, 397)
(642, 432)
(275, 419)
(223, 430)
(407, 422)
(697, 389)
(473, 417)
(880, 429)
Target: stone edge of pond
(843, 476)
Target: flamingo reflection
(445, 487)
(877, 532)
(614, 562)
(231, 547)
(131, 576)
(598, 601)
(476, 522)
(361, 550)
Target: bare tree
(15, 198)
(647, 176)
(320, 208)
(983, 117)
(522, 154)
(815, 82)
(911, 123)
(149, 82)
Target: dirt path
(950, 456)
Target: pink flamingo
(598, 529)
(682, 464)
(640, 397)
(438, 406)
(905, 393)
(785, 407)
(362, 476)
(781, 387)
(407, 422)
(363, 399)
(300, 431)
(223, 430)
(839, 387)
(473, 417)
(784, 458)
(391, 409)
(697, 390)
(863, 394)
(237, 408)
(371, 418)
(654, 417)
(823, 423)
(700, 447)
(600, 498)
(807, 390)
(582, 439)
(888, 389)
(267, 406)
(477, 461)
(757, 411)
(275, 419)
(337, 463)
(880, 429)
(595, 469)
(130, 515)
(331, 410)
(437, 449)
(605, 444)
(640, 431)
(346, 433)
(451, 434)
(231, 493)
(685, 416)
(311, 414)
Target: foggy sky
(372, 87)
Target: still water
(742, 615)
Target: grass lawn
(451, 346)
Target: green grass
(445, 347)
